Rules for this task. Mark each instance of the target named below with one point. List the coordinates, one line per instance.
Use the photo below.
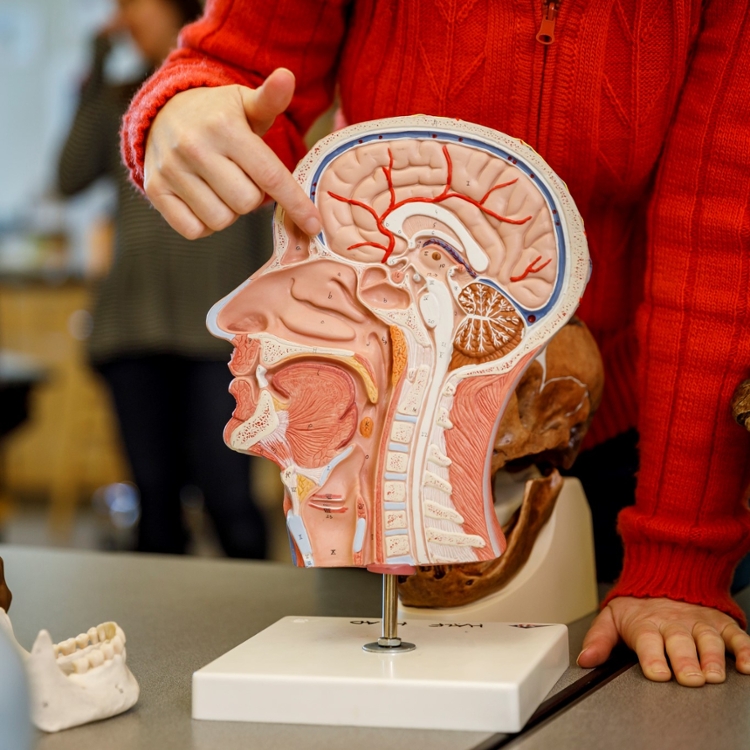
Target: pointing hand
(206, 163)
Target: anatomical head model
(373, 362)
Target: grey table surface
(181, 613)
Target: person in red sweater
(641, 107)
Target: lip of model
(245, 405)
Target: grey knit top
(160, 286)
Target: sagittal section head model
(373, 362)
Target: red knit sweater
(642, 107)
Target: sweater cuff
(170, 80)
(676, 571)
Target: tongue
(322, 412)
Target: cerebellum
(491, 329)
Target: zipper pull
(546, 34)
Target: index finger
(598, 643)
(268, 172)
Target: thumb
(599, 641)
(272, 98)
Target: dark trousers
(608, 475)
(172, 412)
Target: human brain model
(373, 362)
(488, 215)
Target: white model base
(558, 582)
(474, 677)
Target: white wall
(44, 54)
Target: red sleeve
(690, 524)
(242, 42)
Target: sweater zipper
(546, 33)
(545, 36)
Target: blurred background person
(167, 375)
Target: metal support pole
(389, 642)
(389, 624)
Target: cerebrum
(380, 199)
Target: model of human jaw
(76, 681)
(373, 362)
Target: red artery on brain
(445, 195)
(530, 269)
(322, 410)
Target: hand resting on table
(695, 639)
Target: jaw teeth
(91, 683)
(81, 666)
(106, 631)
(91, 649)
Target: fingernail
(312, 226)
(578, 660)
